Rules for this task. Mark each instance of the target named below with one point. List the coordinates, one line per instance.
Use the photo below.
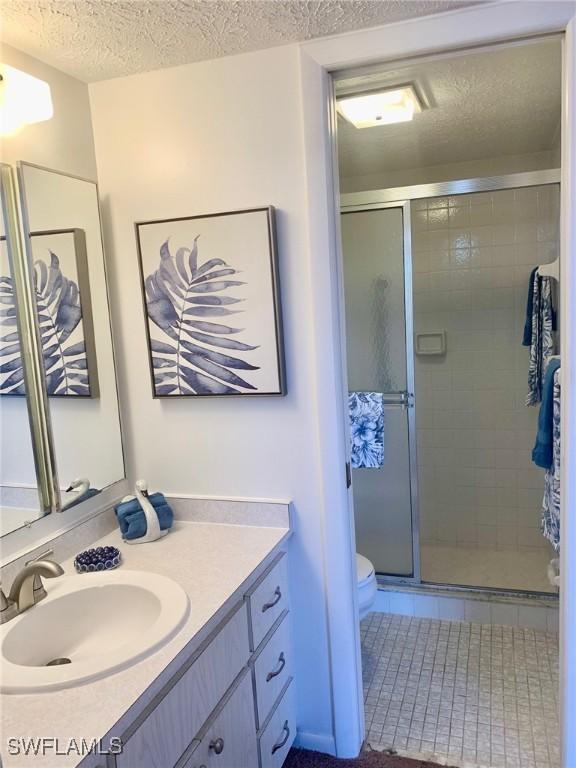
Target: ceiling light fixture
(24, 99)
(393, 105)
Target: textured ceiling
(501, 102)
(99, 39)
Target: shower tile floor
(471, 694)
(524, 569)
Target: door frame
(461, 29)
(406, 208)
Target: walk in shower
(436, 288)
(449, 173)
(447, 207)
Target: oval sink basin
(89, 626)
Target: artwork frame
(64, 313)
(192, 274)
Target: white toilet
(367, 586)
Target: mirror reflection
(60, 221)
(65, 247)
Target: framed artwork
(212, 305)
(63, 304)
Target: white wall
(217, 136)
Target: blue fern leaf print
(59, 314)
(188, 302)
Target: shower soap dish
(99, 559)
(430, 343)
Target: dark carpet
(302, 758)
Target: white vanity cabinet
(231, 703)
(228, 740)
(266, 601)
(272, 665)
(160, 738)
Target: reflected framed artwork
(64, 311)
(212, 304)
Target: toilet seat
(367, 586)
(364, 569)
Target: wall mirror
(20, 501)
(80, 452)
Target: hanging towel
(550, 524)
(542, 453)
(527, 338)
(366, 412)
(542, 346)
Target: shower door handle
(403, 399)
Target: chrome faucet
(27, 588)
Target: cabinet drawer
(278, 735)
(272, 669)
(160, 739)
(267, 600)
(229, 738)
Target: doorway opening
(446, 213)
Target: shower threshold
(393, 583)
(536, 610)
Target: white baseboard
(317, 742)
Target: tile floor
(524, 569)
(474, 694)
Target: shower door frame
(408, 402)
(400, 197)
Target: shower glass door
(378, 291)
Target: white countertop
(211, 562)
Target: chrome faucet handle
(22, 592)
(8, 609)
(38, 587)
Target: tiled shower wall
(472, 256)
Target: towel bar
(401, 399)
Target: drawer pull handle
(272, 603)
(217, 745)
(280, 744)
(279, 668)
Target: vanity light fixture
(24, 99)
(382, 107)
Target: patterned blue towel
(543, 342)
(551, 503)
(366, 411)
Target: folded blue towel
(88, 495)
(133, 505)
(132, 520)
(135, 524)
(543, 452)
